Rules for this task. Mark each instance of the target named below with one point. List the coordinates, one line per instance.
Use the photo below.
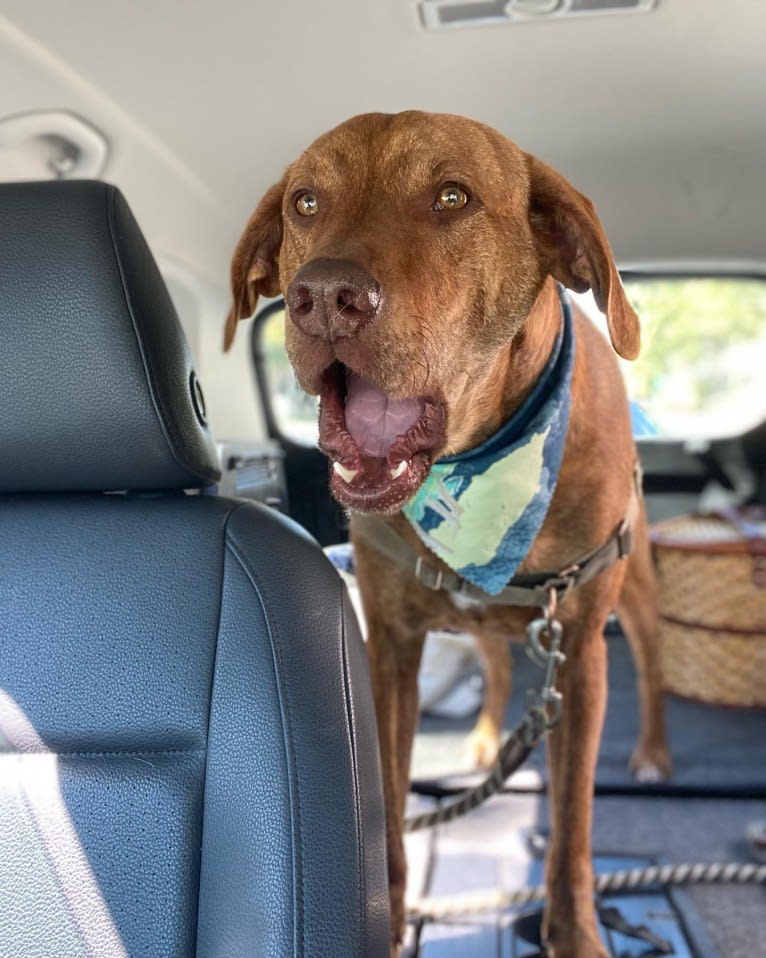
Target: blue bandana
(480, 511)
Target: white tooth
(400, 469)
(348, 475)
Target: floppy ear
(255, 264)
(575, 251)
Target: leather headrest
(97, 388)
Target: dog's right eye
(307, 204)
(451, 196)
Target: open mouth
(381, 448)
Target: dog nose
(332, 298)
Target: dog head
(410, 249)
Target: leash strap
(515, 751)
(543, 713)
(523, 590)
(703, 873)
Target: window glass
(702, 367)
(295, 413)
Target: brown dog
(418, 255)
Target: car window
(295, 413)
(700, 373)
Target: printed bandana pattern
(480, 511)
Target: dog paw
(591, 950)
(651, 764)
(481, 747)
(398, 917)
(397, 948)
(577, 946)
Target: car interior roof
(658, 117)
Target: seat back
(188, 760)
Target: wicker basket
(712, 580)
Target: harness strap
(533, 589)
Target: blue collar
(480, 511)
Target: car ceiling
(659, 117)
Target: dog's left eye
(452, 196)
(307, 204)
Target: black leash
(543, 712)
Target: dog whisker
(425, 335)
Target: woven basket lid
(708, 533)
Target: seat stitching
(354, 767)
(287, 725)
(211, 690)
(116, 753)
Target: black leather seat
(188, 763)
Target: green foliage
(687, 325)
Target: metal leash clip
(544, 703)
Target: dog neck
(532, 347)
(481, 510)
(491, 399)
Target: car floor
(488, 849)
(702, 815)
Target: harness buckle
(561, 585)
(547, 699)
(436, 580)
(624, 538)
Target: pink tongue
(374, 419)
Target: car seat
(188, 757)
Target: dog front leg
(570, 924)
(394, 667)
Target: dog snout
(333, 298)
